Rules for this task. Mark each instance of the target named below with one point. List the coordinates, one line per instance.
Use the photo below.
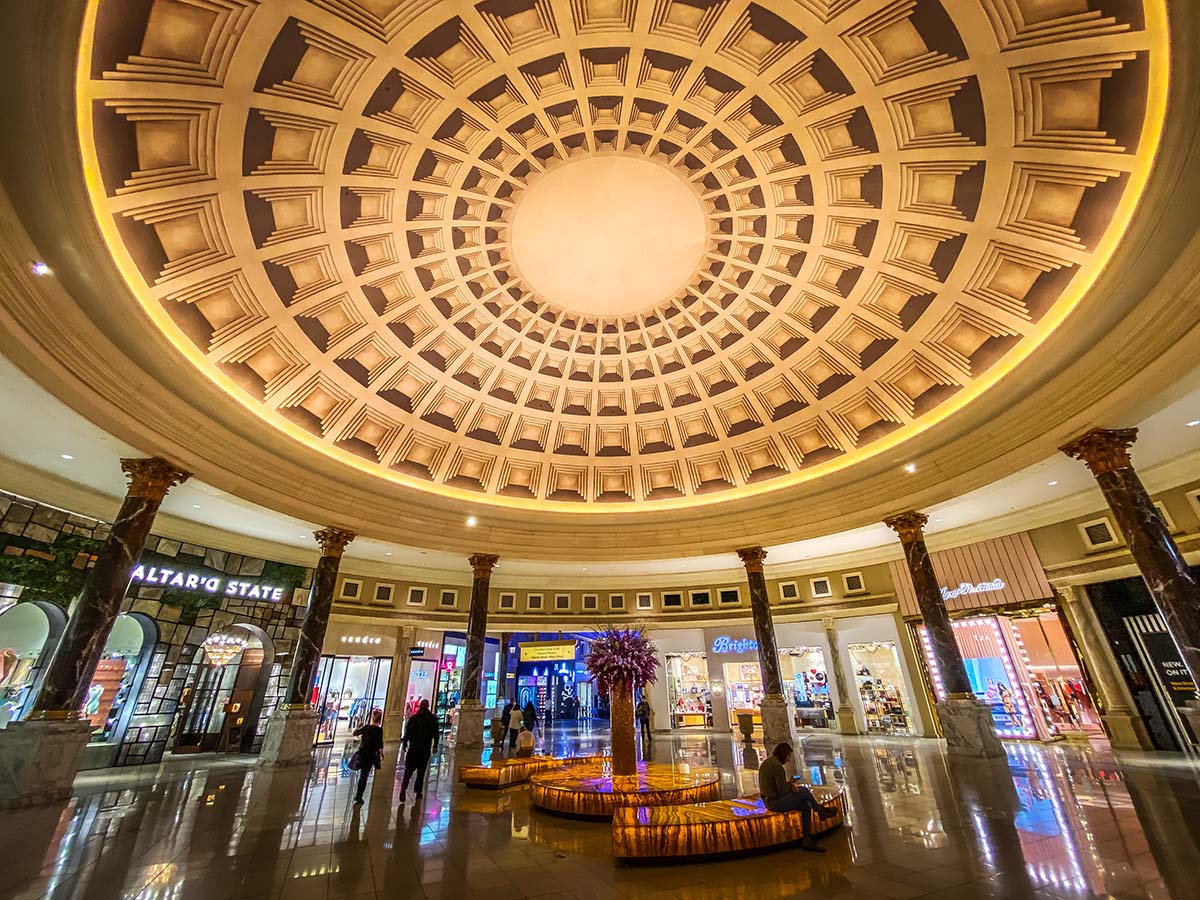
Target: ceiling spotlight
(472, 521)
(1193, 423)
(1051, 483)
(195, 506)
(39, 268)
(68, 457)
(910, 468)
(387, 553)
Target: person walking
(524, 743)
(642, 714)
(529, 716)
(420, 739)
(781, 794)
(516, 720)
(370, 751)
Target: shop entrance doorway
(346, 690)
(29, 634)
(220, 707)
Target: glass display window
(348, 688)
(881, 687)
(422, 680)
(25, 649)
(805, 676)
(688, 692)
(743, 690)
(113, 681)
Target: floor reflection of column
(260, 861)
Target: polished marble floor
(1065, 820)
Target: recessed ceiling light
(585, 568)
(68, 457)
(1052, 483)
(39, 268)
(195, 506)
(1193, 423)
(472, 521)
(937, 520)
(910, 468)
(387, 553)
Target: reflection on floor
(1065, 820)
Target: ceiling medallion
(573, 254)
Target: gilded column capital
(1103, 449)
(333, 541)
(152, 478)
(909, 525)
(482, 565)
(829, 624)
(752, 558)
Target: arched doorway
(222, 702)
(29, 634)
(112, 696)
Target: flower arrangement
(622, 656)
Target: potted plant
(622, 661)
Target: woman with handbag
(369, 754)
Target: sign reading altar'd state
(999, 572)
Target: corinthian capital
(1103, 449)
(333, 541)
(152, 478)
(482, 565)
(752, 558)
(909, 525)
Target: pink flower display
(623, 656)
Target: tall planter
(624, 744)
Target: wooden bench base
(502, 773)
(724, 826)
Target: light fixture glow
(195, 506)
(387, 553)
(910, 468)
(1052, 483)
(1193, 423)
(221, 648)
(39, 268)
(68, 457)
(472, 521)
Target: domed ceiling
(608, 251)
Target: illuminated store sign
(209, 584)
(547, 651)
(983, 587)
(361, 639)
(725, 644)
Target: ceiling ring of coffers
(312, 199)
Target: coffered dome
(605, 251)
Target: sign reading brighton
(726, 644)
(209, 584)
(983, 587)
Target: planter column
(846, 723)
(293, 725)
(470, 708)
(967, 724)
(40, 756)
(776, 711)
(1166, 573)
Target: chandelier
(222, 647)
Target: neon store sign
(208, 584)
(726, 644)
(984, 587)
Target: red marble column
(482, 565)
(1163, 568)
(760, 611)
(333, 543)
(74, 663)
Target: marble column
(778, 725)
(393, 715)
(967, 724)
(844, 712)
(1125, 727)
(40, 756)
(1170, 580)
(470, 709)
(293, 725)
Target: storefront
(29, 634)
(551, 673)
(689, 699)
(111, 697)
(1019, 658)
(448, 688)
(425, 655)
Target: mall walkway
(1058, 821)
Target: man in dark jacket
(420, 740)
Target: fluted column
(844, 712)
(1163, 568)
(967, 724)
(39, 757)
(307, 659)
(776, 712)
(293, 725)
(1125, 727)
(470, 709)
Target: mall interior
(362, 356)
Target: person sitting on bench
(524, 743)
(781, 794)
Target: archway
(29, 634)
(112, 696)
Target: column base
(1191, 713)
(470, 726)
(969, 729)
(1126, 731)
(846, 723)
(289, 738)
(776, 722)
(39, 760)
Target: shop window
(1099, 534)
(730, 597)
(448, 598)
(533, 601)
(645, 601)
(591, 601)
(616, 601)
(853, 582)
(789, 591)
(880, 683)
(672, 601)
(805, 677)
(701, 598)
(820, 587)
(416, 596)
(1166, 517)
(562, 601)
(351, 589)
(688, 690)
(508, 601)
(384, 593)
